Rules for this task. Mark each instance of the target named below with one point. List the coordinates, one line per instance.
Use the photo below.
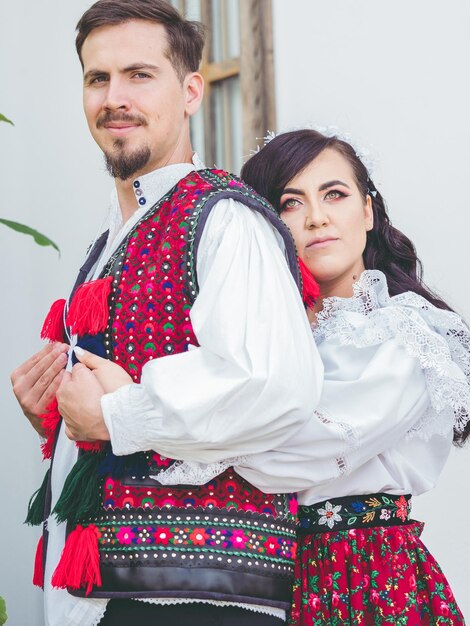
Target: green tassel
(37, 503)
(81, 496)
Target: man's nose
(116, 96)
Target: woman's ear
(369, 213)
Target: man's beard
(124, 165)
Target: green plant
(38, 237)
(3, 611)
(5, 119)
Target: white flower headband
(364, 155)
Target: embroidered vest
(225, 540)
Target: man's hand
(35, 383)
(80, 393)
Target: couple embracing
(249, 380)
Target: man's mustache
(108, 117)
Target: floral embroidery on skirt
(371, 576)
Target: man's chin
(124, 163)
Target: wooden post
(256, 72)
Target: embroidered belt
(196, 552)
(377, 509)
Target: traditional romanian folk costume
(114, 530)
(397, 373)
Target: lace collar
(370, 293)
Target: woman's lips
(322, 243)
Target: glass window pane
(197, 135)
(233, 28)
(216, 35)
(225, 35)
(226, 108)
(178, 4)
(193, 10)
(190, 9)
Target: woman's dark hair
(185, 38)
(387, 249)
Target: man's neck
(125, 188)
(126, 197)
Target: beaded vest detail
(224, 540)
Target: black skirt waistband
(364, 511)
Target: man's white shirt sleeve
(256, 375)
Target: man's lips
(120, 128)
(321, 242)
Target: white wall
(52, 178)
(395, 76)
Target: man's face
(136, 107)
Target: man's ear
(194, 91)
(369, 213)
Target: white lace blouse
(396, 383)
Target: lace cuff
(191, 473)
(439, 339)
(138, 431)
(348, 435)
(131, 420)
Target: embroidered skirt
(368, 575)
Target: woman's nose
(316, 216)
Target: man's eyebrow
(332, 183)
(141, 66)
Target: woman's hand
(80, 392)
(110, 375)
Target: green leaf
(351, 520)
(5, 119)
(3, 612)
(39, 238)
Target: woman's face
(329, 219)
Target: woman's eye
(291, 203)
(334, 194)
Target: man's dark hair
(185, 38)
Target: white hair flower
(363, 154)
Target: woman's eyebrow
(332, 183)
(298, 192)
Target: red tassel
(38, 575)
(79, 565)
(50, 419)
(91, 446)
(47, 447)
(310, 287)
(88, 312)
(53, 327)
